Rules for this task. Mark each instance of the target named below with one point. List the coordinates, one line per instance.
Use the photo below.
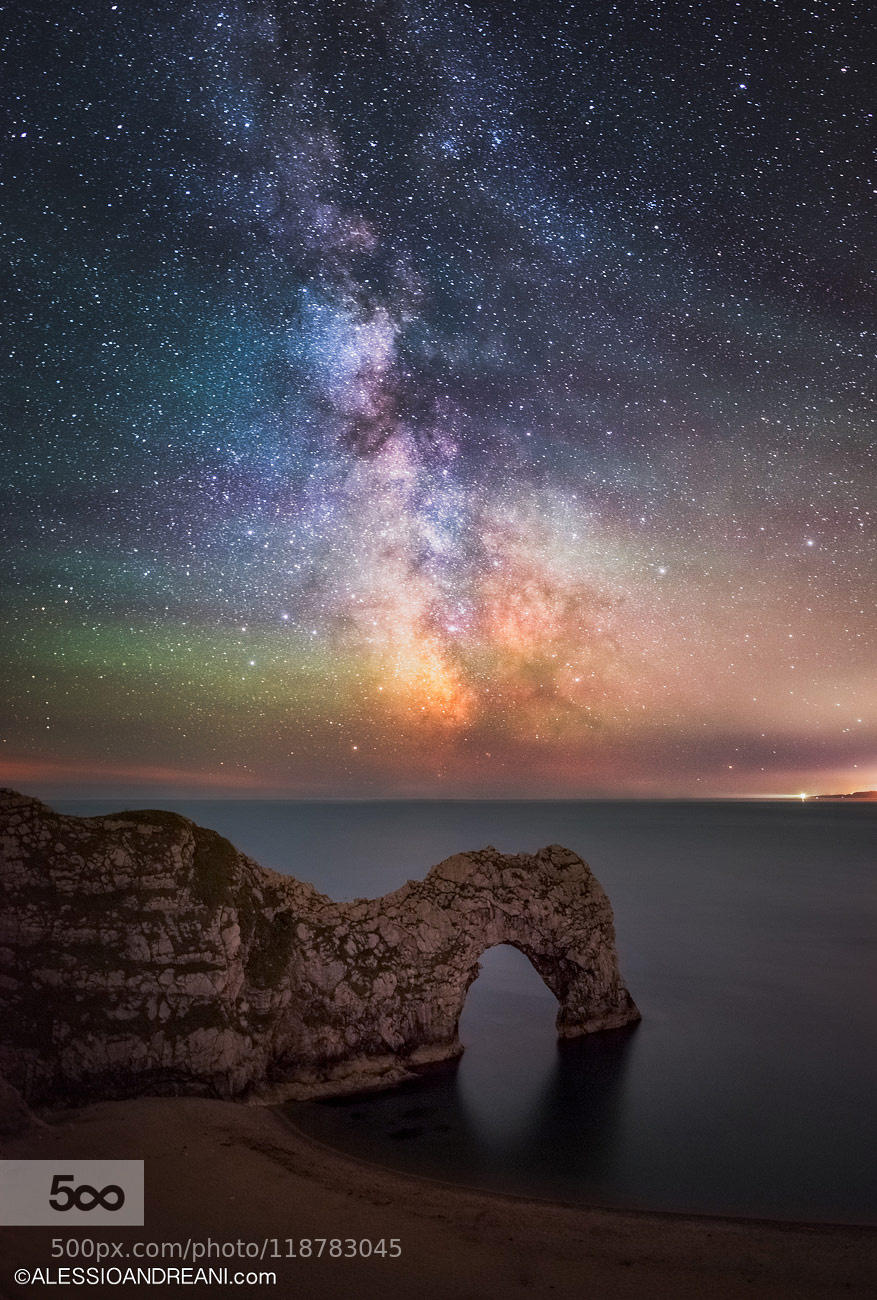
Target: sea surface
(747, 934)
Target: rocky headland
(861, 796)
(141, 953)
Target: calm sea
(747, 936)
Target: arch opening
(508, 1029)
(508, 993)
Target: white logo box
(71, 1193)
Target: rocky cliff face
(142, 953)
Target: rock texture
(142, 953)
(15, 1117)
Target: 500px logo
(84, 1197)
(76, 1193)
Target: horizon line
(251, 797)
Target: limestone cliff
(142, 953)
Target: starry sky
(417, 398)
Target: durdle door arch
(142, 953)
(585, 992)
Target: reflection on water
(519, 1106)
(584, 1106)
(526, 1098)
(507, 1028)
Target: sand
(221, 1171)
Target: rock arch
(140, 952)
(547, 905)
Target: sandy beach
(225, 1172)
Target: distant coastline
(864, 796)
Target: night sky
(433, 398)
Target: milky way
(444, 399)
